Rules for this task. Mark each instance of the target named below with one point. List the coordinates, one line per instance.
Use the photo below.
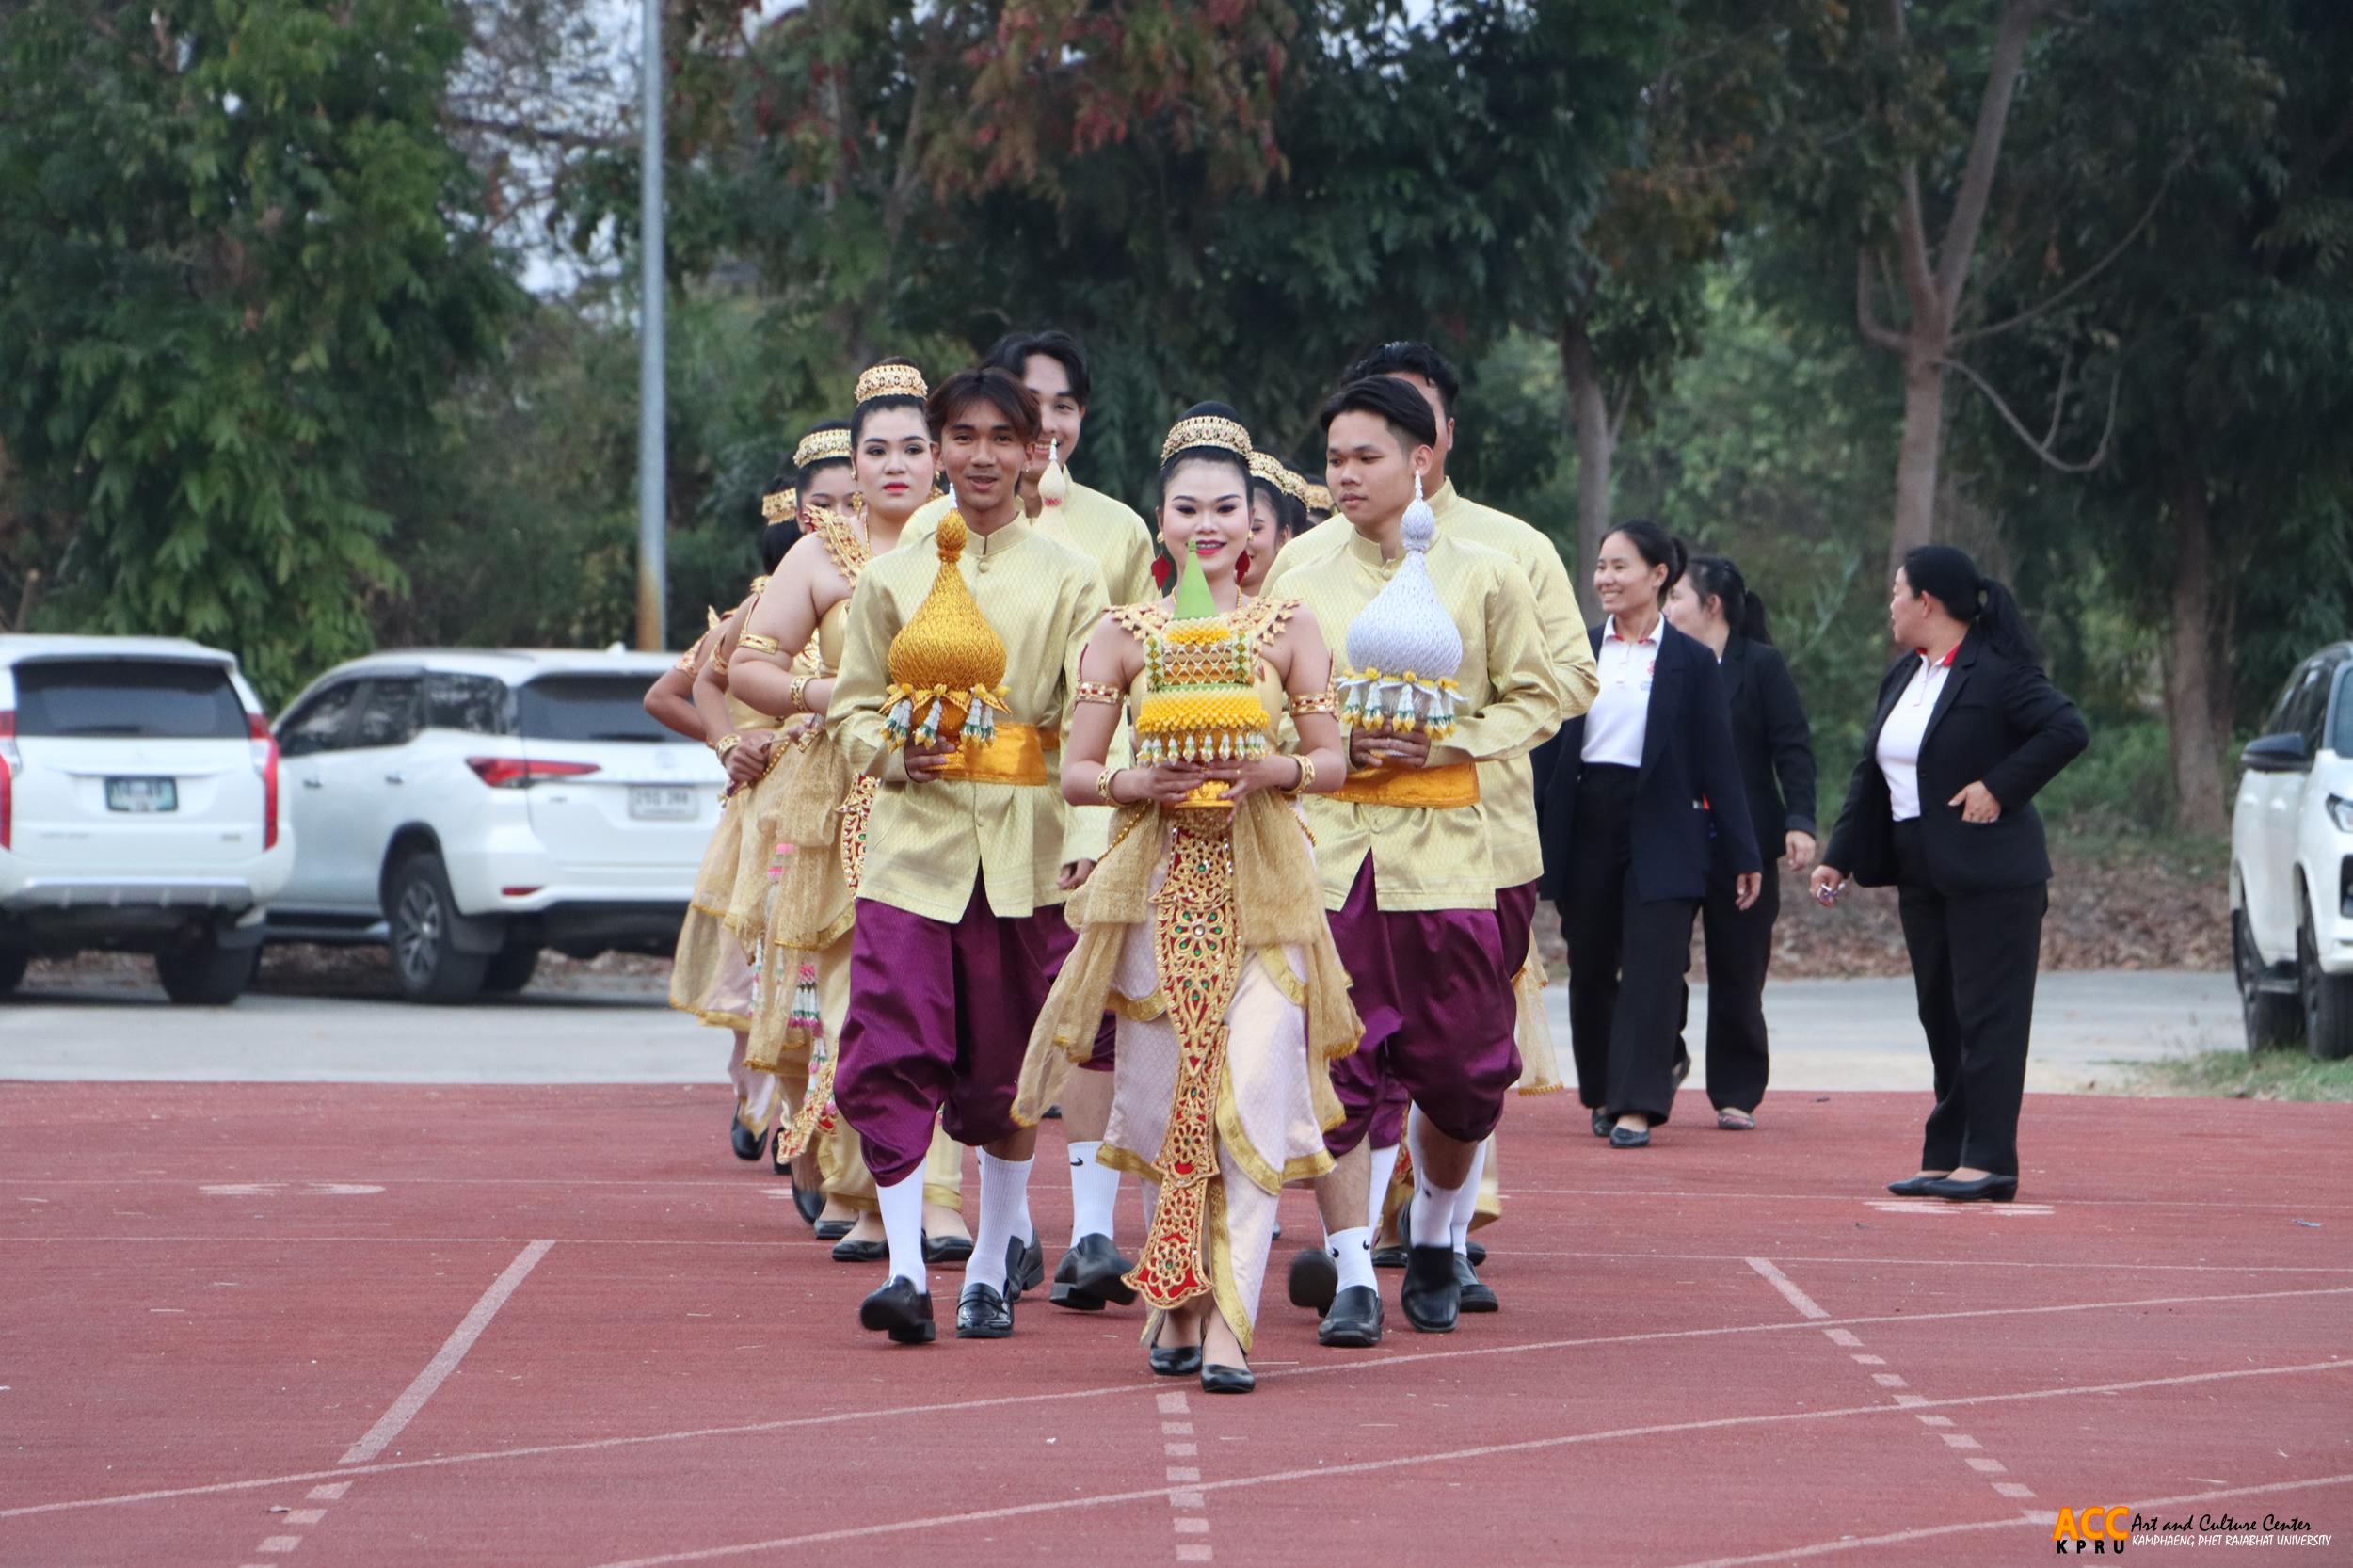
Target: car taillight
(265, 763)
(9, 765)
(516, 773)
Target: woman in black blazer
(1968, 732)
(1712, 605)
(1642, 804)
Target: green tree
(239, 264)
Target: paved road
(1827, 1034)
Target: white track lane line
(1055, 1396)
(1847, 1544)
(1533, 1445)
(388, 1426)
(1804, 1303)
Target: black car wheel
(425, 958)
(2327, 997)
(207, 975)
(511, 969)
(2273, 1019)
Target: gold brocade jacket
(925, 843)
(1507, 788)
(1112, 535)
(1510, 701)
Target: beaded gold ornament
(776, 505)
(1199, 705)
(1206, 430)
(947, 663)
(889, 381)
(822, 446)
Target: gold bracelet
(1306, 775)
(726, 743)
(797, 702)
(1103, 784)
(1102, 692)
(1313, 702)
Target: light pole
(651, 482)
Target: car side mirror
(2277, 753)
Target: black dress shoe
(982, 1313)
(1087, 1279)
(860, 1252)
(901, 1311)
(746, 1142)
(1984, 1189)
(1601, 1124)
(1477, 1254)
(1430, 1296)
(1630, 1138)
(947, 1249)
(1314, 1279)
(1025, 1266)
(833, 1230)
(1389, 1257)
(1228, 1380)
(1354, 1322)
(1475, 1294)
(1179, 1361)
(1913, 1186)
(1683, 1067)
(811, 1205)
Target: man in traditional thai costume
(1506, 790)
(1445, 669)
(1055, 369)
(959, 664)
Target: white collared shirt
(1907, 726)
(1615, 725)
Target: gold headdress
(947, 660)
(822, 446)
(891, 381)
(1206, 430)
(776, 505)
(1318, 498)
(1293, 485)
(1269, 468)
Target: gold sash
(1439, 788)
(1016, 755)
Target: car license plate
(663, 803)
(142, 795)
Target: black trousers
(1973, 967)
(1628, 957)
(1740, 950)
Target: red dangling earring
(1242, 566)
(1164, 571)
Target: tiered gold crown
(1318, 498)
(947, 663)
(1206, 430)
(1293, 485)
(776, 505)
(1264, 467)
(822, 446)
(891, 381)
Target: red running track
(370, 1325)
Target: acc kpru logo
(2098, 1530)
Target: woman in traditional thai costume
(1202, 926)
(796, 883)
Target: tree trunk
(2194, 716)
(1918, 459)
(1589, 421)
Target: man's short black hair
(1408, 416)
(986, 384)
(1407, 358)
(1011, 354)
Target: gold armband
(758, 643)
(1103, 785)
(1101, 691)
(1306, 775)
(796, 702)
(1313, 702)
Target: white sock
(1466, 1199)
(1093, 1192)
(902, 1224)
(1351, 1253)
(1004, 1215)
(1383, 1171)
(1433, 1205)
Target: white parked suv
(138, 810)
(2291, 864)
(472, 808)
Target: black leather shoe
(1913, 1186)
(947, 1249)
(1087, 1278)
(1683, 1068)
(1474, 1294)
(1180, 1361)
(1630, 1138)
(983, 1314)
(1228, 1380)
(833, 1230)
(1391, 1256)
(1025, 1266)
(860, 1252)
(1354, 1322)
(1601, 1124)
(809, 1204)
(901, 1311)
(1314, 1279)
(746, 1142)
(1430, 1296)
(1477, 1253)
(1984, 1189)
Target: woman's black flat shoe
(1913, 1186)
(1228, 1380)
(745, 1142)
(947, 1249)
(860, 1252)
(1630, 1138)
(1986, 1188)
(833, 1230)
(807, 1202)
(1601, 1124)
(1180, 1361)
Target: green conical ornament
(1192, 592)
